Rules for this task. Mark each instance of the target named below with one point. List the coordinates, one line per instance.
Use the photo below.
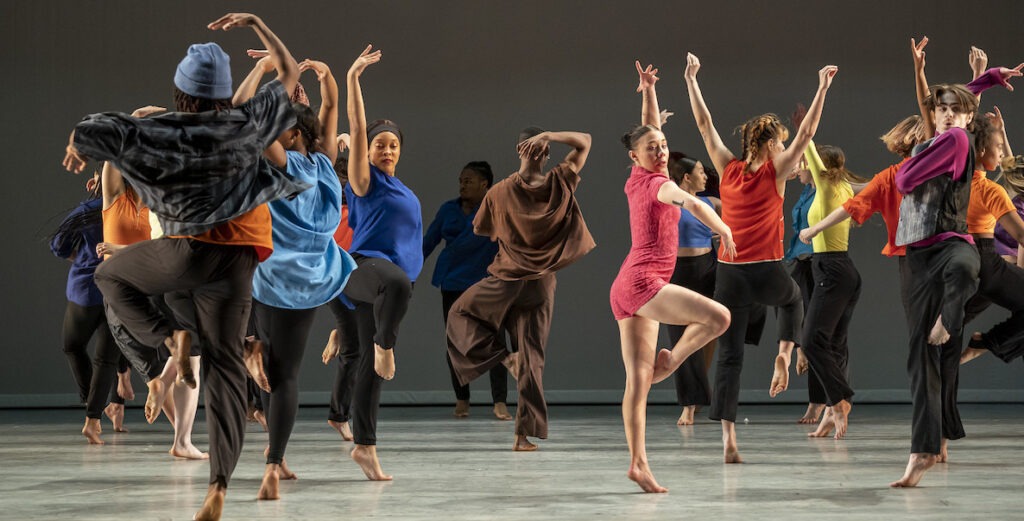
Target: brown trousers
(524, 309)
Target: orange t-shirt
(343, 235)
(252, 228)
(989, 202)
(880, 195)
(752, 207)
(125, 222)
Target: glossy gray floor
(449, 469)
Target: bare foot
(521, 444)
(501, 412)
(366, 457)
(155, 400)
(825, 427)
(179, 344)
(919, 464)
(686, 418)
(270, 488)
(780, 378)
(974, 349)
(840, 416)
(115, 411)
(92, 431)
(188, 452)
(461, 409)
(641, 474)
(254, 363)
(511, 362)
(938, 334)
(943, 452)
(332, 349)
(261, 418)
(284, 472)
(662, 366)
(343, 429)
(213, 505)
(124, 386)
(730, 448)
(802, 365)
(812, 414)
(384, 362)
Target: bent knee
(398, 288)
(720, 319)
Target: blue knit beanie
(205, 72)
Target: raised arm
(579, 141)
(719, 154)
(921, 86)
(247, 88)
(788, 158)
(996, 117)
(328, 106)
(359, 153)
(287, 69)
(650, 114)
(670, 193)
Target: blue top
(307, 268)
(81, 289)
(387, 223)
(692, 232)
(803, 205)
(465, 257)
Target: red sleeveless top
(752, 207)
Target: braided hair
(760, 130)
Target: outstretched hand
(648, 77)
(365, 59)
(978, 61)
(74, 161)
(232, 20)
(692, 66)
(533, 147)
(265, 61)
(917, 50)
(1005, 75)
(663, 117)
(996, 118)
(825, 76)
(320, 68)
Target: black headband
(384, 127)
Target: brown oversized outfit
(539, 230)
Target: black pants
(1002, 284)
(943, 276)
(220, 280)
(95, 378)
(284, 333)
(381, 292)
(348, 361)
(827, 321)
(691, 379)
(803, 274)
(498, 374)
(740, 287)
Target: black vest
(938, 205)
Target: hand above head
(663, 117)
(825, 76)
(365, 59)
(232, 20)
(1005, 75)
(265, 62)
(648, 77)
(344, 141)
(74, 161)
(978, 61)
(534, 146)
(917, 50)
(320, 68)
(148, 110)
(93, 183)
(692, 66)
(996, 118)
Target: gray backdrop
(462, 77)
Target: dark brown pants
(220, 279)
(475, 345)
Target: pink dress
(652, 257)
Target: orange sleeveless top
(752, 207)
(252, 228)
(125, 222)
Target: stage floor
(448, 469)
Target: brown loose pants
(524, 309)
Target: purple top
(1005, 243)
(82, 252)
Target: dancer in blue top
(308, 269)
(462, 263)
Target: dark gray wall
(462, 77)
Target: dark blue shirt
(465, 257)
(803, 205)
(81, 289)
(387, 223)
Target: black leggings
(740, 287)
(284, 333)
(698, 274)
(348, 361)
(381, 292)
(1002, 284)
(498, 373)
(96, 377)
(836, 291)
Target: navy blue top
(692, 232)
(803, 205)
(465, 257)
(81, 289)
(387, 223)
